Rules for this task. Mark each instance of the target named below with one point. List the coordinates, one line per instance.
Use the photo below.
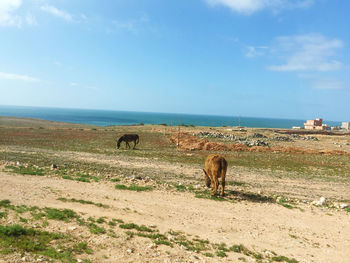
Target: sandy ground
(308, 234)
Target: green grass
(285, 203)
(5, 203)
(221, 254)
(142, 228)
(100, 220)
(115, 180)
(133, 187)
(30, 170)
(180, 187)
(207, 195)
(95, 229)
(73, 200)
(18, 238)
(60, 214)
(284, 259)
(3, 215)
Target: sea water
(109, 118)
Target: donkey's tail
(223, 168)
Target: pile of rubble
(217, 135)
(293, 137)
(230, 137)
(282, 139)
(257, 135)
(251, 143)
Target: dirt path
(276, 183)
(312, 235)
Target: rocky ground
(133, 207)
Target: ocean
(109, 118)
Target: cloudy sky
(259, 58)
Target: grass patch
(221, 254)
(95, 229)
(73, 200)
(207, 195)
(284, 202)
(115, 180)
(3, 215)
(30, 170)
(60, 214)
(21, 239)
(141, 228)
(284, 259)
(180, 187)
(133, 187)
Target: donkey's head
(119, 142)
(207, 179)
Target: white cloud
(7, 8)
(133, 25)
(56, 12)
(248, 7)
(31, 20)
(312, 52)
(253, 52)
(11, 76)
(328, 84)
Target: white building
(345, 125)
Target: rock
(283, 139)
(269, 253)
(320, 202)
(152, 246)
(53, 166)
(130, 250)
(258, 135)
(183, 247)
(72, 228)
(343, 206)
(79, 260)
(24, 259)
(156, 254)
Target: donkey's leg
(127, 144)
(215, 183)
(134, 144)
(223, 187)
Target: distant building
(315, 125)
(345, 125)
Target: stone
(130, 250)
(152, 246)
(320, 202)
(72, 228)
(343, 206)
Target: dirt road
(308, 234)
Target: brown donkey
(215, 169)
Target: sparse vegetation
(73, 200)
(35, 150)
(133, 187)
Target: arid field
(68, 195)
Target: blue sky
(259, 58)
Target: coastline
(105, 118)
